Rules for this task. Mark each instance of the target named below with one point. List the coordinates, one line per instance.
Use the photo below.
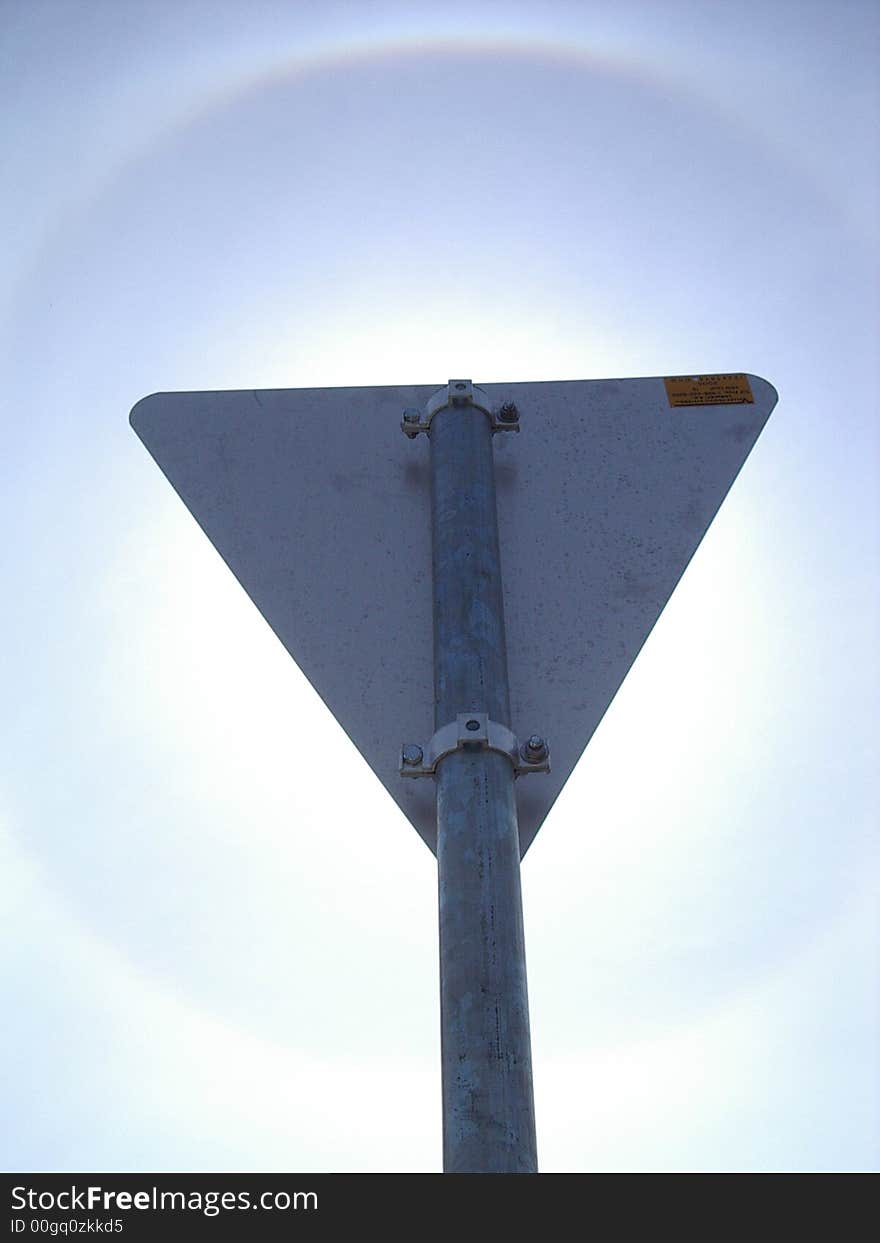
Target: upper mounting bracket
(504, 418)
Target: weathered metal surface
(318, 504)
(488, 1104)
(470, 649)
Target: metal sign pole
(488, 1102)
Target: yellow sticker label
(708, 390)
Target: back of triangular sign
(320, 507)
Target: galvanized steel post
(488, 1102)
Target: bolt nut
(508, 412)
(412, 754)
(534, 750)
(412, 423)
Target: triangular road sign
(321, 508)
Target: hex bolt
(412, 754)
(534, 750)
(455, 391)
(412, 423)
(508, 412)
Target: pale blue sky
(216, 958)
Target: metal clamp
(460, 393)
(473, 731)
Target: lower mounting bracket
(474, 731)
